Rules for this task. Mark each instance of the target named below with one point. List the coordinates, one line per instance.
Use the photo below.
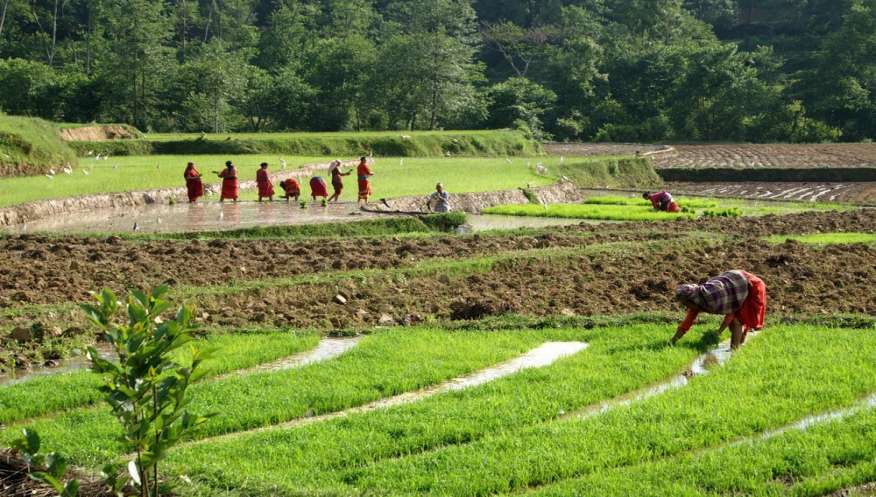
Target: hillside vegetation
(30, 146)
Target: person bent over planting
(318, 188)
(739, 295)
(662, 201)
(263, 181)
(291, 188)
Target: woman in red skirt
(364, 173)
(318, 188)
(230, 185)
(263, 181)
(194, 185)
(738, 295)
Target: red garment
(661, 201)
(291, 187)
(263, 180)
(194, 185)
(363, 172)
(230, 186)
(318, 187)
(673, 207)
(751, 314)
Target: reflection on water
(208, 216)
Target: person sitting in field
(230, 185)
(291, 188)
(318, 188)
(662, 201)
(337, 180)
(738, 295)
(194, 184)
(439, 200)
(263, 181)
(364, 174)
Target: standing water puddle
(542, 356)
(206, 216)
(328, 348)
(69, 365)
(487, 222)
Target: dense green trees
(788, 70)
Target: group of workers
(291, 188)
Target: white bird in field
(50, 176)
(401, 162)
(282, 164)
(52, 172)
(221, 216)
(98, 157)
(136, 227)
(90, 153)
(85, 172)
(68, 171)
(562, 159)
(508, 160)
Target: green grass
(588, 211)
(484, 143)
(778, 378)
(31, 146)
(384, 364)
(47, 394)
(692, 203)
(618, 360)
(826, 238)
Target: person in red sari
(364, 174)
(230, 185)
(337, 180)
(739, 295)
(662, 201)
(263, 181)
(194, 185)
(291, 188)
(318, 188)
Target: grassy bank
(30, 146)
(483, 143)
(826, 238)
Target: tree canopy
(621, 70)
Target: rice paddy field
(406, 356)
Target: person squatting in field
(291, 189)
(662, 201)
(738, 295)
(318, 188)
(364, 174)
(230, 185)
(439, 200)
(337, 180)
(263, 181)
(194, 184)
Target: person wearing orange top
(194, 185)
(662, 201)
(337, 180)
(292, 189)
(739, 295)
(263, 181)
(364, 174)
(230, 185)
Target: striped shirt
(723, 294)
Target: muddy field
(858, 193)
(46, 270)
(750, 156)
(597, 149)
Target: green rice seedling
(684, 202)
(826, 238)
(728, 212)
(588, 211)
(777, 379)
(383, 364)
(618, 360)
(47, 394)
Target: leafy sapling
(147, 388)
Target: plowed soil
(44, 270)
(860, 193)
(800, 280)
(768, 156)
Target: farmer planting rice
(662, 201)
(739, 295)
(337, 180)
(230, 186)
(318, 188)
(263, 180)
(194, 185)
(291, 188)
(364, 173)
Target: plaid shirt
(723, 294)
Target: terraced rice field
(753, 156)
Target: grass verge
(826, 238)
(30, 146)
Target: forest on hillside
(608, 70)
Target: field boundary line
(327, 349)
